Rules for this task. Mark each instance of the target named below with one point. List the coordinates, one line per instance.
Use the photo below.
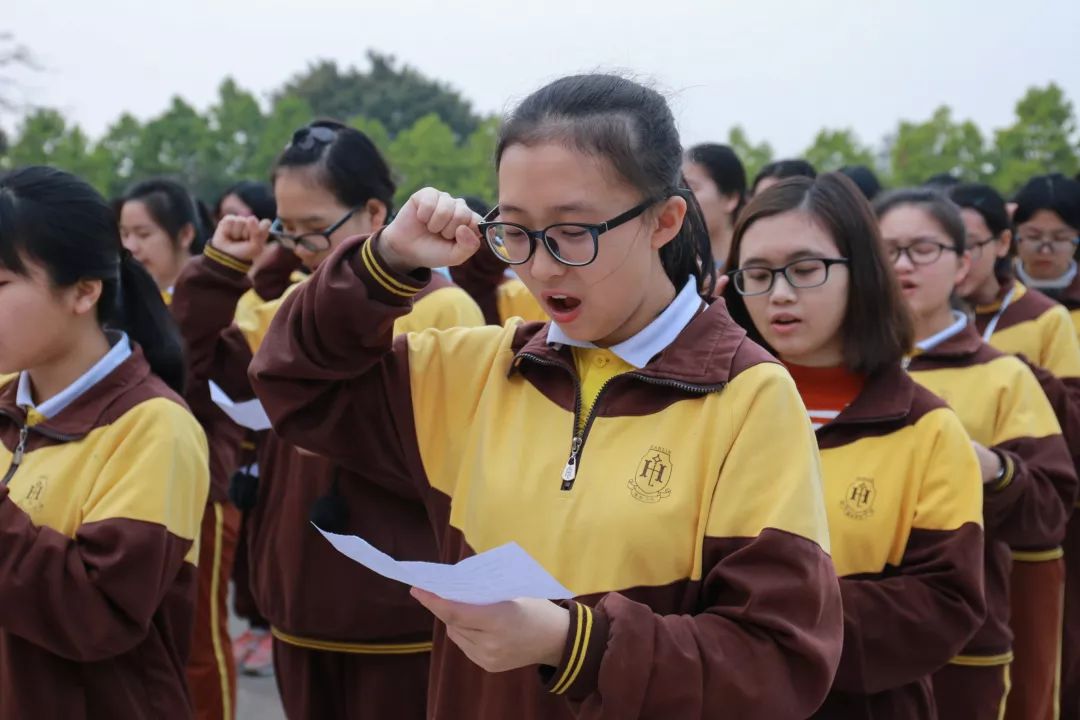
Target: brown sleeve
(331, 378)
(273, 275)
(1024, 509)
(89, 598)
(204, 305)
(1064, 397)
(480, 276)
(901, 627)
(764, 642)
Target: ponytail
(55, 219)
(689, 254)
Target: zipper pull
(17, 456)
(569, 472)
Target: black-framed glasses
(311, 241)
(309, 136)
(573, 244)
(801, 274)
(920, 252)
(1055, 243)
(976, 246)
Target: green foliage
(754, 157)
(833, 149)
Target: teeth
(558, 297)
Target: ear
(1001, 247)
(730, 202)
(186, 238)
(85, 295)
(669, 220)
(963, 267)
(377, 211)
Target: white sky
(782, 69)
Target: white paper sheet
(249, 413)
(504, 573)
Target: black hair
(173, 208)
(724, 168)
(477, 205)
(783, 169)
(345, 160)
(941, 181)
(632, 127)
(1055, 193)
(984, 200)
(937, 205)
(256, 195)
(52, 218)
(864, 178)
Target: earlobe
(378, 213)
(187, 237)
(87, 295)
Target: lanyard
(992, 325)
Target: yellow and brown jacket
(903, 493)
(98, 541)
(312, 595)
(693, 532)
(1004, 409)
(500, 297)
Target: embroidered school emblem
(34, 499)
(858, 503)
(652, 477)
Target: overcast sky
(781, 68)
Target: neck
(987, 292)
(659, 296)
(831, 354)
(84, 350)
(934, 322)
(721, 244)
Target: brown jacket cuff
(234, 267)
(578, 672)
(384, 284)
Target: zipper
(577, 442)
(17, 458)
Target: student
(499, 293)
(160, 226)
(717, 177)
(779, 170)
(865, 179)
(1022, 453)
(632, 445)
(247, 199)
(347, 643)
(1018, 320)
(902, 483)
(105, 469)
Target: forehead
(906, 221)
(301, 196)
(543, 177)
(780, 237)
(135, 213)
(1046, 220)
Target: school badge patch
(652, 477)
(858, 503)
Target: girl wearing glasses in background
(639, 446)
(1026, 465)
(903, 489)
(1017, 320)
(348, 643)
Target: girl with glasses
(902, 482)
(650, 457)
(1017, 319)
(1026, 466)
(347, 643)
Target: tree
(1042, 140)
(236, 123)
(427, 154)
(754, 157)
(119, 148)
(395, 96)
(938, 145)
(46, 139)
(287, 115)
(833, 149)
(179, 144)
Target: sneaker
(244, 644)
(260, 661)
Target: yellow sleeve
(514, 300)
(951, 494)
(445, 308)
(254, 318)
(1023, 409)
(1061, 348)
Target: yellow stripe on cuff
(382, 276)
(584, 649)
(225, 259)
(561, 685)
(982, 660)
(1038, 555)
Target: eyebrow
(304, 220)
(793, 257)
(557, 209)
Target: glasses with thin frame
(316, 241)
(801, 274)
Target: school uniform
(100, 507)
(903, 495)
(348, 642)
(684, 510)
(1004, 409)
(496, 289)
(1026, 322)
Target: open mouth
(784, 323)
(563, 303)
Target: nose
(543, 266)
(129, 243)
(903, 263)
(782, 291)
